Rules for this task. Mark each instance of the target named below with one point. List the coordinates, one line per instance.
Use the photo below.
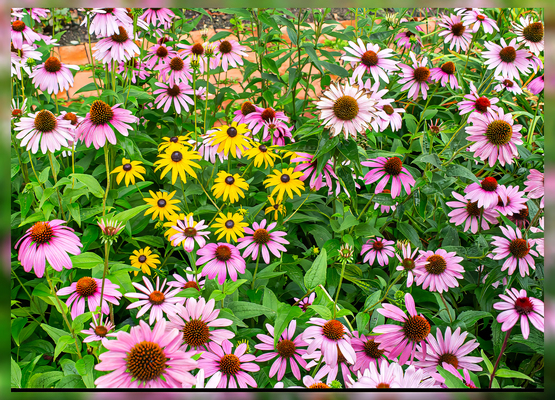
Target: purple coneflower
(189, 281)
(189, 232)
(159, 54)
(230, 52)
(52, 76)
(367, 351)
(106, 21)
(329, 337)
(34, 13)
(19, 57)
(175, 70)
(276, 131)
(306, 302)
(530, 33)
(383, 169)
(158, 17)
(514, 200)
(117, 47)
(415, 78)
(438, 270)
(408, 40)
(20, 32)
(175, 94)
(469, 213)
(516, 249)
(44, 129)
(308, 166)
(391, 375)
(328, 370)
(536, 85)
(99, 330)
(260, 239)
(378, 248)
(467, 380)
(455, 33)
(257, 118)
(445, 75)
(535, 185)
(507, 84)
(517, 305)
(486, 193)
(539, 242)
(407, 260)
(479, 20)
(507, 60)
(369, 58)
(90, 289)
(241, 114)
(221, 259)
(477, 103)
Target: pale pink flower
(514, 203)
(158, 17)
(367, 351)
(44, 129)
(470, 214)
(415, 78)
(159, 54)
(383, 169)
(530, 32)
(478, 19)
(445, 75)
(535, 186)
(477, 103)
(189, 281)
(507, 84)
(189, 232)
(407, 260)
(20, 32)
(107, 21)
(230, 52)
(438, 270)
(261, 240)
(329, 337)
(119, 47)
(536, 85)
(508, 60)
(178, 95)
(90, 289)
(175, 70)
(371, 59)
(455, 32)
(99, 330)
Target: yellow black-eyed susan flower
(262, 154)
(229, 186)
(178, 161)
(174, 142)
(276, 207)
(230, 139)
(162, 205)
(230, 226)
(286, 180)
(144, 259)
(129, 169)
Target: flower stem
(318, 366)
(207, 87)
(106, 261)
(107, 180)
(54, 175)
(339, 288)
(298, 208)
(255, 271)
(499, 357)
(446, 308)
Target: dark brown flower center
(523, 306)
(86, 286)
(229, 224)
(156, 297)
(449, 359)
(333, 330)
(146, 361)
(448, 68)
(197, 49)
(263, 148)
(122, 36)
(261, 236)
(508, 83)
(176, 156)
(108, 10)
(225, 47)
(174, 139)
(142, 258)
(247, 108)
(162, 51)
(285, 178)
(508, 54)
(41, 233)
(393, 166)
(191, 284)
(472, 209)
(377, 245)
(229, 180)
(195, 333)
(100, 113)
(71, 117)
(52, 64)
(127, 167)
(176, 64)
(231, 132)
(519, 248)
(161, 203)
(230, 364)
(369, 58)
(499, 132)
(319, 385)
(421, 74)
(482, 104)
(45, 121)
(489, 184)
(436, 264)
(458, 29)
(416, 328)
(286, 348)
(533, 32)
(371, 349)
(522, 214)
(190, 232)
(18, 26)
(173, 91)
(408, 264)
(223, 253)
(345, 108)
(388, 109)
(100, 331)
(268, 114)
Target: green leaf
(219, 35)
(91, 183)
(79, 322)
(45, 380)
(362, 320)
(16, 375)
(244, 310)
(372, 301)
(285, 314)
(459, 171)
(471, 317)
(85, 368)
(270, 300)
(54, 333)
(72, 381)
(335, 69)
(62, 343)
(507, 373)
(428, 114)
(126, 215)
(410, 233)
(233, 286)
(489, 366)
(451, 381)
(75, 212)
(17, 325)
(316, 275)
(323, 311)
(86, 260)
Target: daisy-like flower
(288, 351)
(329, 337)
(230, 139)
(495, 136)
(479, 19)
(391, 376)
(231, 226)
(370, 59)
(259, 116)
(190, 281)
(174, 143)
(486, 193)
(196, 319)
(438, 270)
(18, 110)
(106, 21)
(367, 351)
(305, 302)
(407, 260)
(508, 60)
(536, 85)
(530, 33)
(445, 75)
(99, 330)
(118, 47)
(110, 229)
(230, 52)
(45, 129)
(455, 32)
(450, 349)
(514, 201)
(220, 259)
(19, 58)
(212, 382)
(20, 32)
(188, 232)
(90, 289)
(345, 108)
(391, 116)
(158, 17)
(262, 240)
(276, 207)
(535, 62)
(539, 242)
(331, 371)
(47, 241)
(179, 162)
(408, 40)
(477, 103)
(52, 76)
(518, 306)
(144, 259)
(386, 168)
(415, 78)
(146, 358)
(176, 94)
(507, 84)
(229, 186)
(535, 185)
(129, 170)
(175, 70)
(308, 166)
(209, 153)
(234, 366)
(34, 13)
(467, 380)
(401, 340)
(277, 131)
(98, 123)
(521, 218)
(469, 213)
(159, 54)
(155, 299)
(378, 248)
(241, 114)
(261, 154)
(286, 180)
(516, 249)
(464, 11)
(162, 205)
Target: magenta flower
(220, 259)
(467, 380)
(535, 186)
(146, 358)
(478, 19)
(307, 165)
(379, 248)
(175, 70)
(477, 103)
(408, 40)
(445, 75)
(175, 94)
(539, 242)
(157, 300)
(508, 60)
(158, 17)
(391, 375)
(90, 289)
(195, 320)
(514, 203)
(468, 213)
(287, 350)
(99, 330)
(536, 85)
(158, 54)
(517, 305)
(408, 261)
(257, 118)
(106, 21)
(53, 76)
(415, 78)
(385, 168)
(507, 84)
(230, 52)
(45, 129)
(306, 302)
(262, 240)
(367, 351)
(20, 32)
(329, 337)
(189, 232)
(276, 131)
(486, 193)
(188, 282)
(328, 370)
(516, 248)
(370, 59)
(439, 270)
(233, 366)
(241, 114)
(455, 33)
(47, 241)
(530, 33)
(117, 47)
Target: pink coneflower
(53, 76)
(158, 17)
(329, 337)
(119, 47)
(34, 13)
(232, 365)
(277, 131)
(345, 108)
(382, 169)
(175, 94)
(467, 380)
(146, 358)
(95, 128)
(287, 351)
(99, 330)
(230, 52)
(495, 136)
(207, 151)
(196, 320)
(536, 85)
(401, 340)
(450, 349)
(42, 127)
(19, 57)
(48, 240)
(110, 228)
(199, 52)
(464, 11)
(189, 281)
(136, 69)
(507, 60)
(367, 351)
(517, 305)
(306, 302)
(535, 62)
(241, 114)
(438, 270)
(415, 78)
(469, 213)
(373, 91)
(479, 20)
(212, 382)
(257, 118)
(189, 232)
(220, 259)
(390, 375)
(535, 185)
(521, 218)
(107, 21)
(539, 242)
(445, 75)
(90, 289)
(308, 166)
(158, 54)
(18, 110)
(514, 201)
(486, 193)
(408, 40)
(20, 32)
(407, 260)
(328, 370)
(378, 248)
(477, 103)
(157, 300)
(262, 240)
(175, 70)
(370, 59)
(507, 84)
(455, 33)
(516, 248)
(530, 33)
(391, 116)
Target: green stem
(106, 262)
(255, 271)
(54, 175)
(499, 357)
(446, 308)
(107, 180)
(339, 288)
(207, 88)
